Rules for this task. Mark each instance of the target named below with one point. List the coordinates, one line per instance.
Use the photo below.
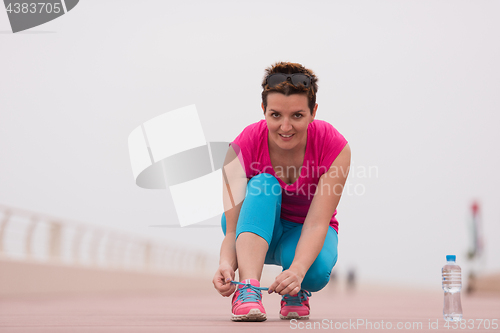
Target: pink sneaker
(247, 301)
(295, 307)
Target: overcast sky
(412, 85)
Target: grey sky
(412, 85)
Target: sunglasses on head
(296, 79)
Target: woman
(283, 179)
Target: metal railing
(30, 236)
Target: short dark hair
(287, 88)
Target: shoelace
(253, 295)
(296, 300)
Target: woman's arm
(234, 189)
(315, 228)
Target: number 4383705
(40, 7)
(473, 324)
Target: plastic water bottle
(452, 283)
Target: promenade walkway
(196, 307)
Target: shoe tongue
(253, 282)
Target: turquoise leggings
(260, 214)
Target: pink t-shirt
(324, 144)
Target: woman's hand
(222, 280)
(288, 282)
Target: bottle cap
(451, 258)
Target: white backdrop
(412, 85)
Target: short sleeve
(333, 143)
(242, 152)
(245, 146)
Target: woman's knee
(317, 284)
(318, 275)
(223, 223)
(263, 184)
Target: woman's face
(285, 116)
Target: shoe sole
(293, 315)
(252, 315)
